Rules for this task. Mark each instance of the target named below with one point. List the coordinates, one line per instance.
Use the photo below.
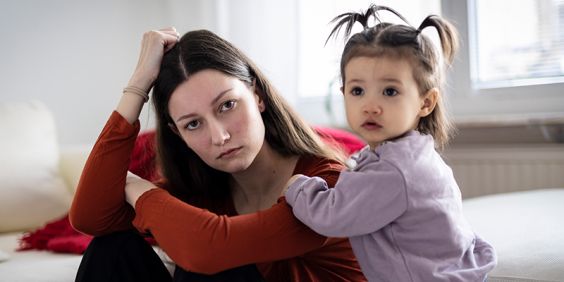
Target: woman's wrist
(135, 187)
(141, 81)
(136, 91)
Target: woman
(227, 143)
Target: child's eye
(390, 92)
(357, 91)
(228, 105)
(192, 125)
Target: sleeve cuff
(294, 189)
(122, 125)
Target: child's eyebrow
(393, 80)
(357, 80)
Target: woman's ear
(429, 101)
(174, 129)
(258, 96)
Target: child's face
(382, 100)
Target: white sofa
(526, 228)
(38, 181)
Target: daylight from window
(519, 45)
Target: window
(500, 70)
(517, 46)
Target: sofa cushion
(526, 231)
(32, 189)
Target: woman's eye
(357, 91)
(192, 125)
(390, 92)
(228, 105)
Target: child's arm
(361, 202)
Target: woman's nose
(219, 135)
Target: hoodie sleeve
(362, 201)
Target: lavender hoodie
(401, 208)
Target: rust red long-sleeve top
(201, 241)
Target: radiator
(492, 169)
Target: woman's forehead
(202, 90)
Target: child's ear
(429, 101)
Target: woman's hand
(135, 186)
(154, 45)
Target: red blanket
(59, 236)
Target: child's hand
(290, 182)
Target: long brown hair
(406, 42)
(186, 175)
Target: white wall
(267, 31)
(76, 56)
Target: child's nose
(372, 107)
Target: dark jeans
(126, 256)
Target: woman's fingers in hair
(169, 37)
(171, 31)
(153, 46)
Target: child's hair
(406, 42)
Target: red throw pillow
(347, 141)
(143, 161)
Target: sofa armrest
(71, 163)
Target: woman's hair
(405, 42)
(186, 175)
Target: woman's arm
(201, 241)
(99, 205)
(154, 45)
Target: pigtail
(349, 19)
(447, 34)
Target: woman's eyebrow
(185, 117)
(221, 94)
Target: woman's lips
(229, 153)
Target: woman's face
(218, 116)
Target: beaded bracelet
(137, 91)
